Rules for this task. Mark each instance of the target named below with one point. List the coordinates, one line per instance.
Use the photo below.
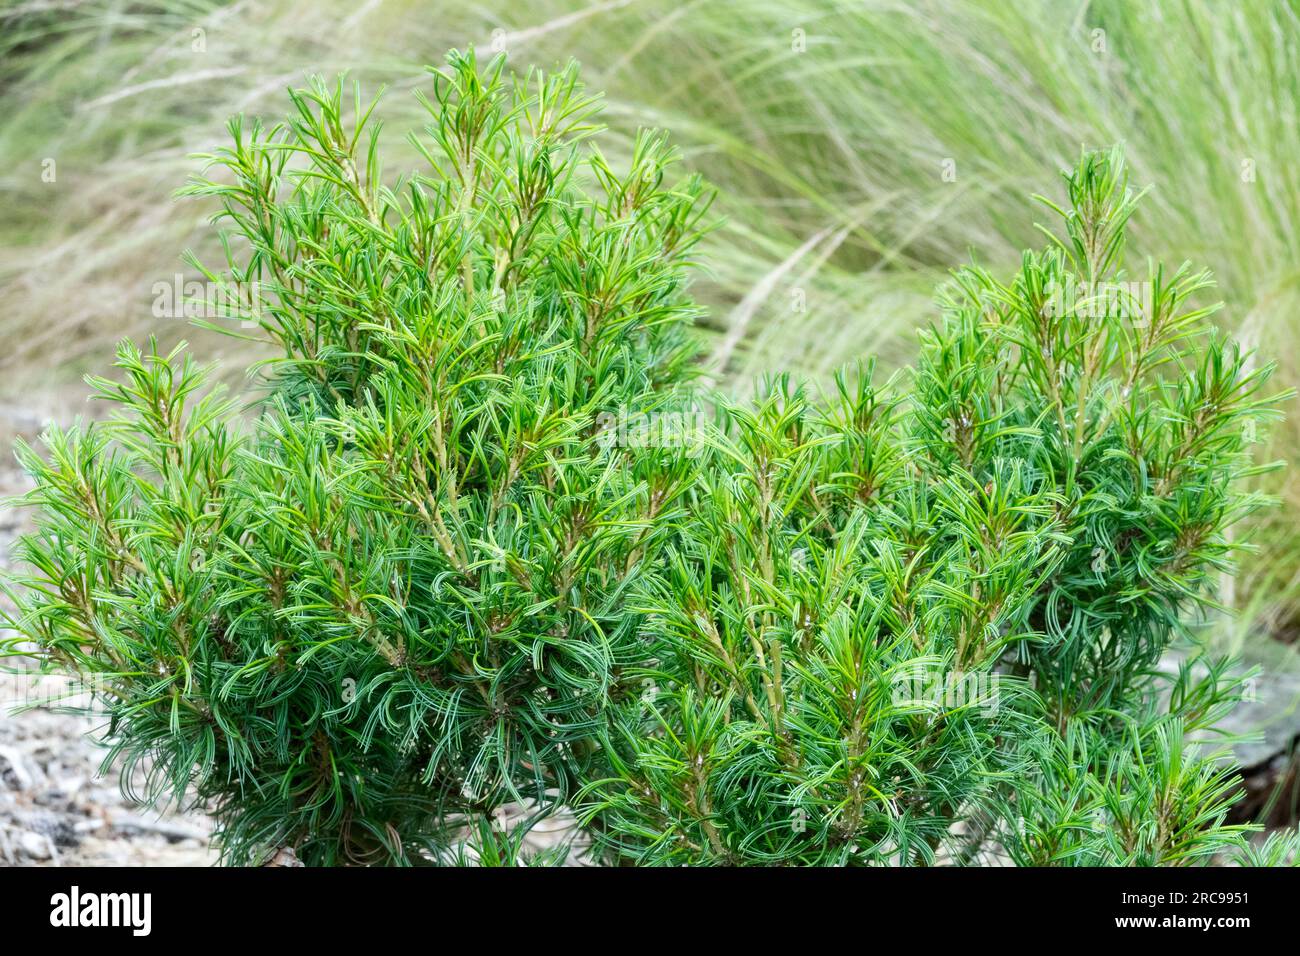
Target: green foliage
(403, 596)
(483, 542)
(825, 153)
(1028, 526)
(814, 617)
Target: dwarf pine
(487, 539)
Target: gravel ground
(55, 808)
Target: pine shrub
(484, 539)
(401, 598)
(924, 621)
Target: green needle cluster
(485, 538)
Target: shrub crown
(484, 541)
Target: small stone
(13, 774)
(284, 857)
(34, 846)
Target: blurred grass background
(862, 149)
